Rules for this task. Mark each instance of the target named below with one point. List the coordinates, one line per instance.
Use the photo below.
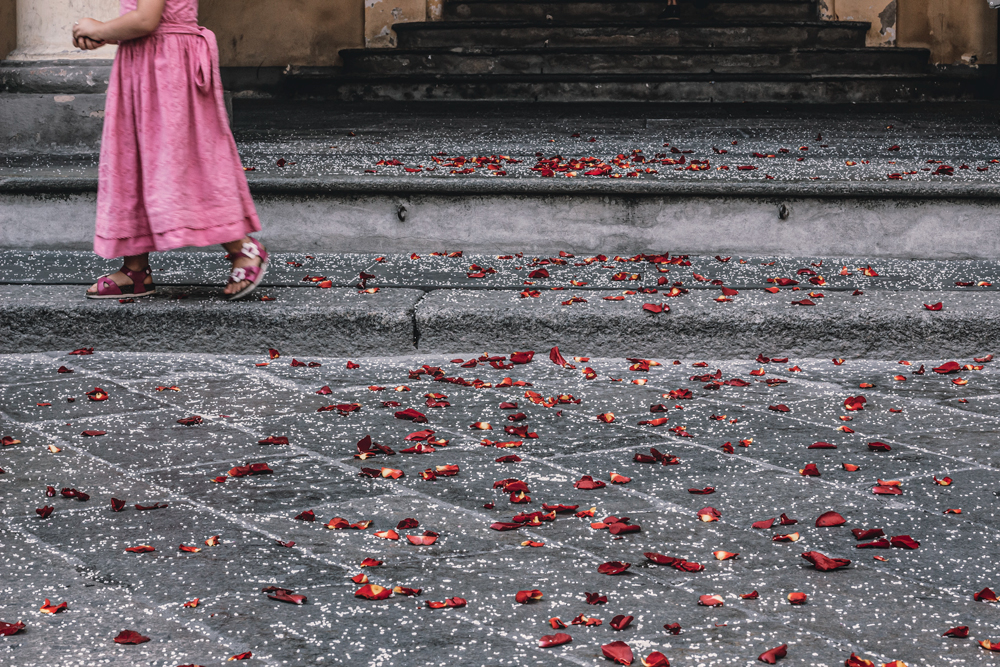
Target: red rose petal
(8, 629)
(772, 656)
(621, 622)
(558, 639)
(620, 652)
(130, 637)
(613, 567)
(830, 519)
(825, 563)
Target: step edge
(493, 25)
(499, 186)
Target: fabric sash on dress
(203, 78)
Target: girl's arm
(144, 19)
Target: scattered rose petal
(772, 656)
(8, 629)
(558, 639)
(829, 519)
(825, 563)
(130, 637)
(620, 652)
(613, 567)
(621, 622)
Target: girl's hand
(86, 34)
(86, 44)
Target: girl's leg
(234, 247)
(132, 263)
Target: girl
(170, 175)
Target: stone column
(44, 29)
(52, 94)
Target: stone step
(600, 10)
(522, 34)
(595, 60)
(878, 324)
(713, 88)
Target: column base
(52, 105)
(106, 53)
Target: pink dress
(170, 175)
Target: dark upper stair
(642, 50)
(601, 10)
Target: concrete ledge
(584, 223)
(57, 77)
(335, 322)
(877, 325)
(467, 186)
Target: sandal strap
(251, 249)
(138, 279)
(241, 273)
(107, 287)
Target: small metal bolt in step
(783, 212)
(401, 213)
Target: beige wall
(381, 14)
(263, 33)
(256, 33)
(951, 29)
(880, 13)
(8, 27)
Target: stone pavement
(888, 604)
(311, 304)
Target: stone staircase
(640, 50)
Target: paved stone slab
(146, 456)
(98, 609)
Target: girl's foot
(249, 258)
(124, 282)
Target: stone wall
(8, 27)
(267, 33)
(380, 15)
(956, 31)
(880, 13)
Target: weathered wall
(381, 14)
(954, 30)
(8, 27)
(265, 33)
(44, 28)
(880, 13)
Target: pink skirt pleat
(170, 175)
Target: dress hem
(110, 248)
